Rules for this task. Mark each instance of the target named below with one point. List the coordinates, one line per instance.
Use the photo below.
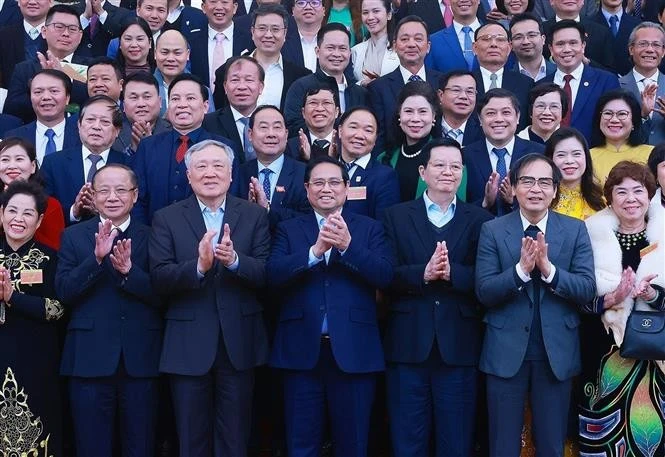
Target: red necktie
(565, 121)
(447, 14)
(182, 148)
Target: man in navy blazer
(489, 160)
(52, 131)
(411, 44)
(587, 83)
(207, 258)
(184, 17)
(452, 47)
(624, 23)
(528, 41)
(283, 194)
(114, 336)
(7, 123)
(326, 267)
(68, 173)
(159, 161)
(434, 329)
(534, 271)
(95, 39)
(457, 96)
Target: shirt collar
(406, 74)
(429, 203)
(458, 27)
(279, 63)
(344, 83)
(608, 15)
(124, 226)
(557, 18)
(447, 127)
(203, 207)
(275, 166)
(363, 161)
(542, 224)
(59, 128)
(576, 73)
(509, 147)
(486, 73)
(227, 32)
(639, 76)
(327, 138)
(541, 69)
(85, 152)
(68, 58)
(237, 115)
(28, 28)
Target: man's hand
(104, 239)
(491, 190)
(305, 147)
(256, 193)
(338, 232)
(206, 256)
(528, 254)
(648, 97)
(542, 260)
(48, 61)
(84, 203)
(224, 251)
(121, 258)
(140, 130)
(434, 270)
(506, 191)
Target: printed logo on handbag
(646, 323)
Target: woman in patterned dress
(30, 422)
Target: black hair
(331, 27)
(60, 8)
(656, 157)
(264, 10)
(20, 187)
(235, 59)
(318, 88)
(497, 93)
(566, 24)
(597, 137)
(318, 160)
(264, 108)
(526, 17)
(547, 88)
(136, 20)
(426, 152)
(396, 136)
(120, 166)
(116, 113)
(58, 74)
(411, 18)
(516, 168)
(107, 61)
(140, 77)
(443, 81)
(190, 77)
(350, 111)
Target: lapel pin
(586, 83)
(358, 178)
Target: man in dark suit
(243, 83)
(334, 54)
(246, 7)
(220, 39)
(613, 17)
(159, 161)
(411, 44)
(534, 271)
(272, 180)
(488, 161)
(585, 84)
(207, 258)
(457, 97)
(320, 109)
(269, 28)
(528, 40)
(52, 131)
(326, 267)
(492, 48)
(184, 17)
(10, 13)
(598, 52)
(68, 173)
(23, 38)
(300, 45)
(452, 47)
(434, 332)
(114, 336)
(101, 21)
(62, 33)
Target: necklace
(630, 240)
(410, 156)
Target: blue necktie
(50, 143)
(501, 169)
(468, 48)
(266, 172)
(413, 78)
(248, 147)
(94, 158)
(614, 24)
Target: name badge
(280, 189)
(647, 250)
(357, 193)
(32, 277)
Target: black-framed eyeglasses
(530, 181)
(60, 27)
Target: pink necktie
(217, 58)
(448, 14)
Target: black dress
(30, 406)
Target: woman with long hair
(137, 49)
(346, 12)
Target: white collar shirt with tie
(87, 164)
(460, 34)
(574, 83)
(41, 139)
(361, 162)
(494, 159)
(240, 124)
(276, 168)
(406, 74)
(122, 227)
(455, 134)
(33, 32)
(642, 81)
(487, 77)
(212, 42)
(542, 226)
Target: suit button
(175, 187)
(526, 329)
(437, 303)
(178, 172)
(90, 46)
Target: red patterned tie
(565, 121)
(182, 148)
(448, 14)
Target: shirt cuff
(73, 218)
(523, 276)
(103, 17)
(313, 260)
(549, 279)
(85, 22)
(235, 264)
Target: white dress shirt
(33, 32)
(460, 35)
(276, 168)
(487, 75)
(574, 83)
(361, 162)
(85, 152)
(494, 159)
(328, 137)
(273, 84)
(41, 139)
(227, 44)
(240, 126)
(542, 226)
(447, 128)
(175, 13)
(406, 74)
(542, 70)
(309, 53)
(642, 81)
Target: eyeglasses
(500, 39)
(321, 183)
(454, 167)
(530, 181)
(304, 3)
(457, 91)
(60, 27)
(530, 35)
(541, 107)
(621, 115)
(328, 104)
(657, 45)
(120, 192)
(274, 29)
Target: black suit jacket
(13, 50)
(221, 122)
(518, 84)
(292, 49)
(10, 14)
(95, 46)
(223, 302)
(291, 72)
(622, 61)
(598, 43)
(473, 131)
(445, 313)
(242, 11)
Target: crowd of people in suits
(340, 227)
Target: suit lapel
(284, 180)
(75, 159)
(457, 227)
(583, 92)
(229, 126)
(231, 215)
(311, 229)
(193, 216)
(395, 82)
(421, 225)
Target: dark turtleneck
(407, 169)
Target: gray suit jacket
(509, 301)
(653, 129)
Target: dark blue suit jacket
(473, 132)
(10, 14)
(162, 181)
(594, 83)
(382, 187)
(110, 314)
(289, 199)
(198, 54)
(63, 173)
(72, 138)
(345, 289)
(446, 53)
(446, 310)
(191, 20)
(479, 168)
(221, 305)
(95, 46)
(509, 301)
(13, 39)
(8, 123)
(382, 97)
(292, 49)
(622, 60)
(242, 11)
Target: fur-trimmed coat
(607, 259)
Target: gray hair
(204, 144)
(644, 25)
